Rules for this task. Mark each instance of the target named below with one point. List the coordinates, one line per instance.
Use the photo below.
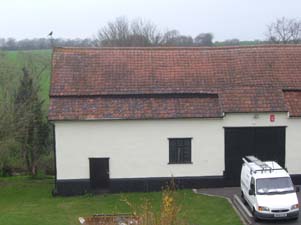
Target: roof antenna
(51, 39)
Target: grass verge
(28, 201)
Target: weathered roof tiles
(241, 79)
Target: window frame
(179, 160)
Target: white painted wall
(140, 148)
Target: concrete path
(229, 193)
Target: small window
(179, 150)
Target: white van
(268, 190)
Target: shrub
(169, 213)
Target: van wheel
(243, 198)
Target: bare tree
(174, 38)
(204, 39)
(147, 31)
(284, 31)
(122, 33)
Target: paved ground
(230, 192)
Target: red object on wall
(272, 118)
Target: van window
(252, 185)
(274, 185)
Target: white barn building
(129, 119)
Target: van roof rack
(264, 167)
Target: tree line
(124, 33)
(43, 43)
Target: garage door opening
(266, 143)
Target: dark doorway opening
(99, 173)
(266, 143)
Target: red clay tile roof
(134, 107)
(252, 99)
(293, 101)
(245, 79)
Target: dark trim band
(82, 186)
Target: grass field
(28, 201)
(38, 57)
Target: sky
(225, 19)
